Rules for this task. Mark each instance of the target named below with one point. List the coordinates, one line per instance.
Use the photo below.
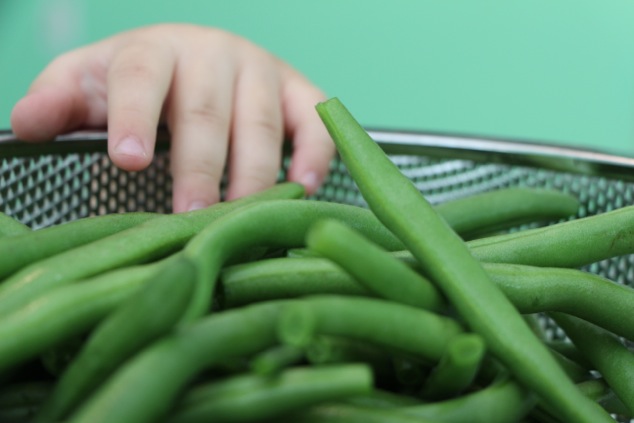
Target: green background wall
(546, 70)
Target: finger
(199, 117)
(138, 82)
(257, 131)
(69, 93)
(313, 148)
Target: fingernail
(310, 181)
(196, 205)
(130, 146)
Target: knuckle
(206, 112)
(260, 176)
(133, 69)
(267, 127)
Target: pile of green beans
(276, 307)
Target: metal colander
(47, 184)
(72, 178)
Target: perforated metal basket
(71, 178)
(47, 184)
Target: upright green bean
(401, 207)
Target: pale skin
(224, 100)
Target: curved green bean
(65, 312)
(400, 206)
(590, 297)
(136, 323)
(349, 413)
(531, 289)
(143, 243)
(485, 213)
(159, 373)
(372, 266)
(272, 224)
(22, 250)
(276, 359)
(503, 401)
(574, 243)
(402, 328)
(254, 398)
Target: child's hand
(225, 101)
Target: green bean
(124, 332)
(582, 294)
(530, 289)
(10, 227)
(337, 350)
(567, 349)
(457, 367)
(159, 373)
(574, 243)
(151, 240)
(400, 206)
(372, 266)
(271, 224)
(65, 312)
(20, 251)
(348, 413)
(605, 396)
(597, 390)
(399, 327)
(606, 352)
(600, 391)
(254, 398)
(276, 359)
(278, 278)
(503, 401)
(380, 398)
(484, 213)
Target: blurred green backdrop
(546, 70)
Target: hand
(225, 101)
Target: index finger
(138, 82)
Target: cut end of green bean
(296, 325)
